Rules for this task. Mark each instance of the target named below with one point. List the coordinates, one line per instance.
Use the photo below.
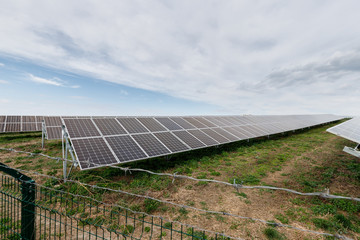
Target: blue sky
(168, 58)
(31, 89)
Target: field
(307, 161)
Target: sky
(179, 57)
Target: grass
(248, 163)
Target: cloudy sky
(180, 57)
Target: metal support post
(28, 210)
(42, 134)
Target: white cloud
(45, 81)
(3, 82)
(2, 65)
(220, 55)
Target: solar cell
(189, 139)
(349, 130)
(2, 127)
(39, 118)
(205, 122)
(215, 135)
(13, 119)
(108, 126)
(195, 122)
(223, 120)
(203, 137)
(125, 148)
(150, 144)
(226, 134)
(171, 142)
(28, 119)
(242, 130)
(13, 127)
(2, 119)
(132, 125)
(54, 133)
(181, 122)
(28, 127)
(79, 128)
(53, 121)
(93, 152)
(236, 132)
(169, 124)
(215, 121)
(39, 126)
(252, 131)
(152, 124)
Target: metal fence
(32, 211)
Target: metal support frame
(67, 148)
(43, 133)
(353, 151)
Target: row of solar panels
(349, 130)
(107, 141)
(20, 123)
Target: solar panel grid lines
(2, 119)
(189, 139)
(349, 130)
(244, 130)
(28, 127)
(78, 128)
(237, 132)
(125, 148)
(203, 137)
(226, 134)
(53, 121)
(13, 119)
(183, 123)
(108, 126)
(132, 125)
(168, 123)
(195, 122)
(2, 126)
(29, 119)
(218, 137)
(260, 130)
(92, 153)
(152, 124)
(54, 133)
(205, 122)
(171, 142)
(151, 145)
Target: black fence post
(28, 210)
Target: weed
(272, 233)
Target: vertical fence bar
(28, 209)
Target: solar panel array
(20, 123)
(349, 130)
(112, 140)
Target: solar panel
(54, 133)
(181, 122)
(93, 152)
(109, 126)
(13, 127)
(195, 122)
(171, 142)
(225, 134)
(169, 124)
(205, 122)
(215, 135)
(124, 139)
(2, 127)
(28, 119)
(53, 121)
(152, 124)
(132, 125)
(189, 139)
(349, 130)
(150, 144)
(28, 127)
(208, 141)
(237, 132)
(79, 128)
(125, 148)
(13, 119)
(2, 119)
